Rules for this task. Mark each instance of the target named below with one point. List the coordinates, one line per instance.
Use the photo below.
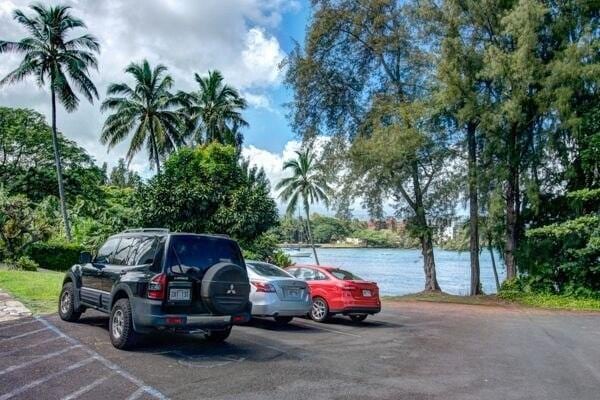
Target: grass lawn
(547, 301)
(39, 290)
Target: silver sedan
(275, 293)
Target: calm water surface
(400, 271)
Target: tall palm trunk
(473, 210)
(57, 162)
(154, 148)
(308, 230)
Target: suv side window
(158, 255)
(120, 257)
(144, 252)
(105, 252)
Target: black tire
(66, 304)
(358, 317)
(283, 320)
(120, 327)
(320, 310)
(218, 336)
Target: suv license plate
(366, 293)
(179, 294)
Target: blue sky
(270, 130)
(245, 39)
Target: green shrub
(57, 256)
(23, 263)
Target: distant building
(389, 223)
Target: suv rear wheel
(120, 325)
(218, 336)
(66, 304)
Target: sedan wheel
(320, 310)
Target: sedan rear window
(264, 269)
(345, 275)
(202, 252)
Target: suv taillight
(263, 287)
(157, 287)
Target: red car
(336, 291)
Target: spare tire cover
(225, 288)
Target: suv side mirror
(85, 257)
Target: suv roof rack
(164, 230)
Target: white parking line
(87, 388)
(35, 360)
(7, 353)
(23, 335)
(19, 324)
(136, 394)
(326, 329)
(108, 364)
(38, 382)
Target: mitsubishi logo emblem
(231, 289)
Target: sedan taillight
(263, 287)
(157, 287)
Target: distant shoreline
(336, 246)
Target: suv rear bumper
(148, 316)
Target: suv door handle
(122, 272)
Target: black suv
(152, 279)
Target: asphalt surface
(409, 351)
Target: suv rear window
(202, 252)
(264, 269)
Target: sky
(246, 40)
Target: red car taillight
(157, 287)
(263, 287)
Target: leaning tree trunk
(473, 211)
(309, 232)
(57, 162)
(431, 283)
(491, 250)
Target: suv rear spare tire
(225, 288)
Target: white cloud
(187, 36)
(262, 57)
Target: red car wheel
(320, 309)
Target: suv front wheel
(120, 326)
(66, 304)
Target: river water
(400, 271)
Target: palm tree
(214, 112)
(51, 56)
(148, 110)
(304, 183)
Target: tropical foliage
(205, 189)
(51, 55)
(147, 110)
(213, 112)
(305, 185)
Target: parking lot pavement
(409, 351)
